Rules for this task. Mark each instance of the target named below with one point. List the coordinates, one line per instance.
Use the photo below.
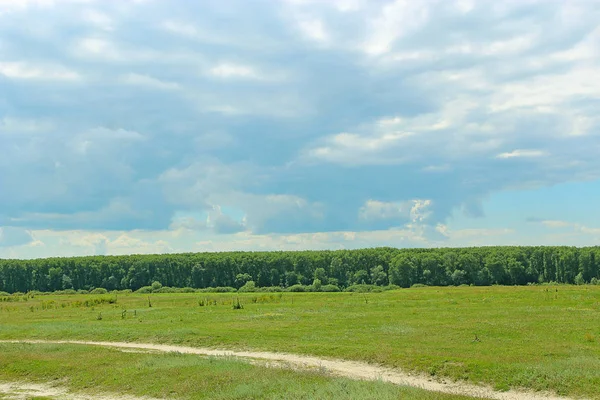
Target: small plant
(99, 317)
(149, 302)
(237, 305)
(201, 302)
(589, 337)
(123, 314)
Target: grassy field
(100, 370)
(539, 337)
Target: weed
(99, 317)
(237, 305)
(589, 337)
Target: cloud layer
(276, 118)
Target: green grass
(530, 337)
(100, 370)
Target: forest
(479, 266)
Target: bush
(99, 291)
(363, 288)
(4, 294)
(270, 289)
(187, 290)
(330, 288)
(317, 284)
(296, 288)
(66, 291)
(418, 285)
(248, 287)
(579, 279)
(166, 289)
(219, 289)
(391, 287)
(595, 281)
(144, 290)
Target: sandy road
(349, 369)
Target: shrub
(330, 288)
(391, 287)
(317, 284)
(296, 288)
(219, 289)
(363, 288)
(166, 289)
(270, 289)
(187, 290)
(249, 286)
(66, 291)
(595, 281)
(579, 279)
(418, 285)
(237, 305)
(144, 289)
(4, 294)
(99, 291)
(156, 286)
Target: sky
(154, 126)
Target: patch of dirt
(349, 369)
(25, 391)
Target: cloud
(412, 210)
(300, 118)
(233, 71)
(522, 153)
(223, 223)
(576, 227)
(148, 81)
(24, 70)
(14, 236)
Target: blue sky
(163, 126)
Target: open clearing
(529, 339)
(348, 369)
(86, 372)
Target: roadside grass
(537, 337)
(92, 370)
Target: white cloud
(522, 153)
(229, 70)
(395, 21)
(314, 29)
(148, 81)
(99, 19)
(10, 125)
(39, 71)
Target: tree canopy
(377, 266)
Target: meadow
(543, 338)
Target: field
(542, 338)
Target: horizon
(151, 127)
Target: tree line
(342, 268)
